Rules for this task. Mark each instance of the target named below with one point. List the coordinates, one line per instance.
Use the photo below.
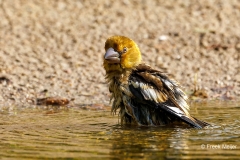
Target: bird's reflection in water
(147, 142)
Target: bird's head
(121, 53)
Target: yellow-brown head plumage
(125, 54)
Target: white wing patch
(181, 100)
(176, 110)
(149, 93)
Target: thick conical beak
(111, 56)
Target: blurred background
(56, 48)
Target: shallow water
(74, 133)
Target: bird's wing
(151, 86)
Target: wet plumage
(144, 96)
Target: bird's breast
(119, 88)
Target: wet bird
(143, 95)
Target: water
(74, 133)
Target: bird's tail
(201, 123)
(175, 111)
(194, 122)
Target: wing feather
(153, 87)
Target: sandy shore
(55, 48)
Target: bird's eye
(124, 50)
